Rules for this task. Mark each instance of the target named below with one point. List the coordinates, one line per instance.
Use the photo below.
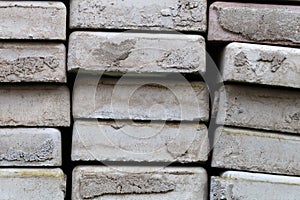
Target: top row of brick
(41, 20)
(183, 15)
(276, 24)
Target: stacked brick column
(260, 103)
(34, 99)
(136, 85)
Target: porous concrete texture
(142, 15)
(32, 62)
(30, 147)
(258, 23)
(256, 151)
(136, 52)
(39, 105)
(34, 20)
(242, 185)
(259, 108)
(141, 142)
(261, 64)
(139, 183)
(140, 99)
(33, 184)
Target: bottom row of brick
(115, 182)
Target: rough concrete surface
(259, 108)
(30, 147)
(145, 15)
(32, 62)
(141, 142)
(140, 99)
(249, 186)
(32, 20)
(262, 64)
(136, 52)
(261, 23)
(256, 151)
(32, 184)
(39, 105)
(139, 183)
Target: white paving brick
(259, 108)
(142, 142)
(30, 147)
(42, 105)
(256, 151)
(262, 64)
(136, 52)
(140, 99)
(139, 183)
(145, 15)
(32, 62)
(241, 185)
(255, 23)
(32, 20)
(32, 184)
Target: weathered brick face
(39, 20)
(273, 24)
(139, 183)
(156, 15)
(136, 52)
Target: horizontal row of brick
(98, 182)
(242, 62)
(225, 19)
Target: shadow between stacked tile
(34, 99)
(260, 101)
(131, 103)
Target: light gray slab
(39, 105)
(256, 151)
(30, 147)
(34, 20)
(140, 99)
(138, 183)
(261, 64)
(32, 184)
(259, 108)
(32, 62)
(145, 15)
(255, 23)
(136, 52)
(242, 185)
(141, 142)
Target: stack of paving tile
(104, 108)
(33, 98)
(260, 102)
